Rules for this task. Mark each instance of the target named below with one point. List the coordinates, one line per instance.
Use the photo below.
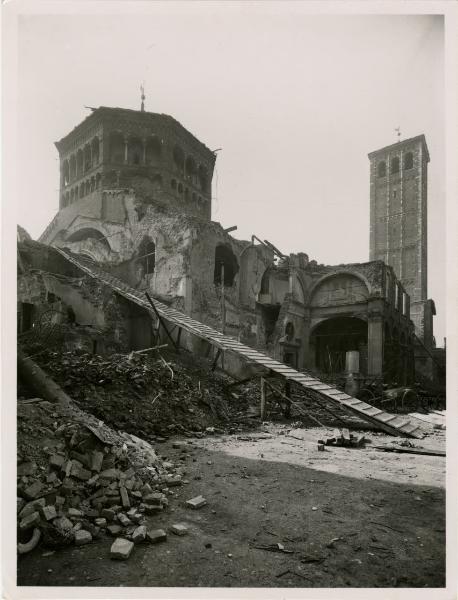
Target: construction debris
(343, 438)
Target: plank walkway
(393, 424)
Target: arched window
(157, 182)
(190, 169)
(87, 158)
(203, 179)
(135, 151)
(408, 160)
(178, 158)
(381, 169)
(147, 256)
(289, 331)
(395, 165)
(88, 186)
(79, 163)
(95, 146)
(72, 167)
(66, 172)
(81, 190)
(116, 147)
(153, 149)
(225, 256)
(265, 282)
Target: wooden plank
(403, 450)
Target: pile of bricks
(79, 489)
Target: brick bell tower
(398, 222)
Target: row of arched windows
(187, 167)
(81, 190)
(395, 165)
(134, 150)
(81, 162)
(184, 191)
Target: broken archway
(333, 338)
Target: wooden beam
(161, 321)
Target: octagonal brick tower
(117, 148)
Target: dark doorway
(335, 337)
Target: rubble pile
(149, 396)
(78, 480)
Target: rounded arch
(203, 178)
(79, 163)
(116, 147)
(153, 149)
(89, 233)
(332, 338)
(329, 276)
(225, 256)
(72, 167)
(87, 158)
(178, 157)
(66, 172)
(395, 164)
(408, 161)
(95, 147)
(147, 255)
(190, 168)
(135, 151)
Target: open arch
(116, 145)
(72, 167)
(332, 338)
(135, 151)
(89, 233)
(178, 158)
(66, 172)
(153, 149)
(147, 255)
(203, 179)
(79, 163)
(95, 147)
(225, 256)
(87, 158)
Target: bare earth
(351, 517)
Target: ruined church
(135, 199)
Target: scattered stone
(196, 502)
(109, 514)
(48, 512)
(20, 503)
(139, 534)
(63, 524)
(33, 490)
(29, 521)
(97, 460)
(57, 460)
(121, 549)
(124, 497)
(114, 529)
(100, 522)
(154, 499)
(173, 481)
(82, 537)
(31, 507)
(156, 535)
(75, 513)
(124, 520)
(179, 529)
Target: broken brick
(48, 512)
(33, 490)
(121, 549)
(82, 537)
(179, 529)
(114, 529)
(29, 521)
(124, 497)
(139, 534)
(196, 502)
(156, 535)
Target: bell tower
(398, 222)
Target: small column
(375, 344)
(144, 151)
(125, 151)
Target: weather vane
(142, 89)
(398, 133)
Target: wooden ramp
(393, 424)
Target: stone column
(375, 344)
(144, 150)
(306, 358)
(125, 150)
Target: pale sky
(295, 101)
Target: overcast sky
(295, 101)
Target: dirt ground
(347, 517)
